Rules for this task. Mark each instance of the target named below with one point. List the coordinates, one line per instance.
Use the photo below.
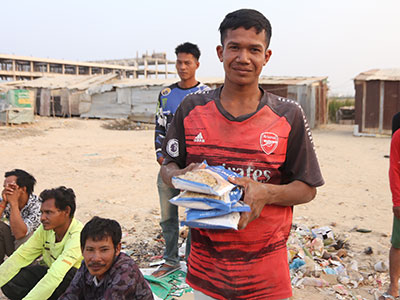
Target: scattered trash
(363, 230)
(368, 251)
(322, 259)
(381, 266)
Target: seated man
(21, 208)
(107, 273)
(57, 241)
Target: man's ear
(220, 50)
(268, 54)
(67, 211)
(118, 249)
(23, 189)
(197, 65)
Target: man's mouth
(95, 267)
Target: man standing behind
(187, 62)
(57, 241)
(21, 208)
(263, 137)
(107, 273)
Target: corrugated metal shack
(377, 99)
(105, 96)
(126, 97)
(60, 95)
(309, 92)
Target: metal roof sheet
(379, 74)
(66, 62)
(63, 81)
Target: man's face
(243, 54)
(51, 216)
(11, 183)
(99, 255)
(186, 65)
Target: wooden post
(363, 104)
(381, 105)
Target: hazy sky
(336, 38)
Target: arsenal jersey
(272, 145)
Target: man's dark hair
(98, 229)
(246, 18)
(188, 48)
(63, 197)
(24, 179)
(395, 122)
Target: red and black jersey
(272, 145)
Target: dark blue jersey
(168, 101)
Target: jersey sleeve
(301, 161)
(394, 169)
(55, 274)
(174, 146)
(161, 128)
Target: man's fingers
(242, 181)
(244, 220)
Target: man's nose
(243, 56)
(95, 256)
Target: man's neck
(240, 100)
(62, 230)
(187, 84)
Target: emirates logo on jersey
(268, 142)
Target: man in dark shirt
(187, 62)
(107, 273)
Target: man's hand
(396, 211)
(13, 193)
(9, 189)
(172, 169)
(255, 195)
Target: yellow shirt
(59, 257)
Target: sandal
(164, 270)
(385, 296)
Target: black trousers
(6, 241)
(26, 279)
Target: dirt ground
(113, 173)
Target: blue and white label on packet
(193, 214)
(229, 221)
(206, 202)
(206, 179)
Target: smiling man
(57, 241)
(187, 62)
(107, 273)
(263, 137)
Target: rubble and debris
(318, 258)
(322, 259)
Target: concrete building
(13, 67)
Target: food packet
(206, 179)
(229, 221)
(193, 214)
(206, 202)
